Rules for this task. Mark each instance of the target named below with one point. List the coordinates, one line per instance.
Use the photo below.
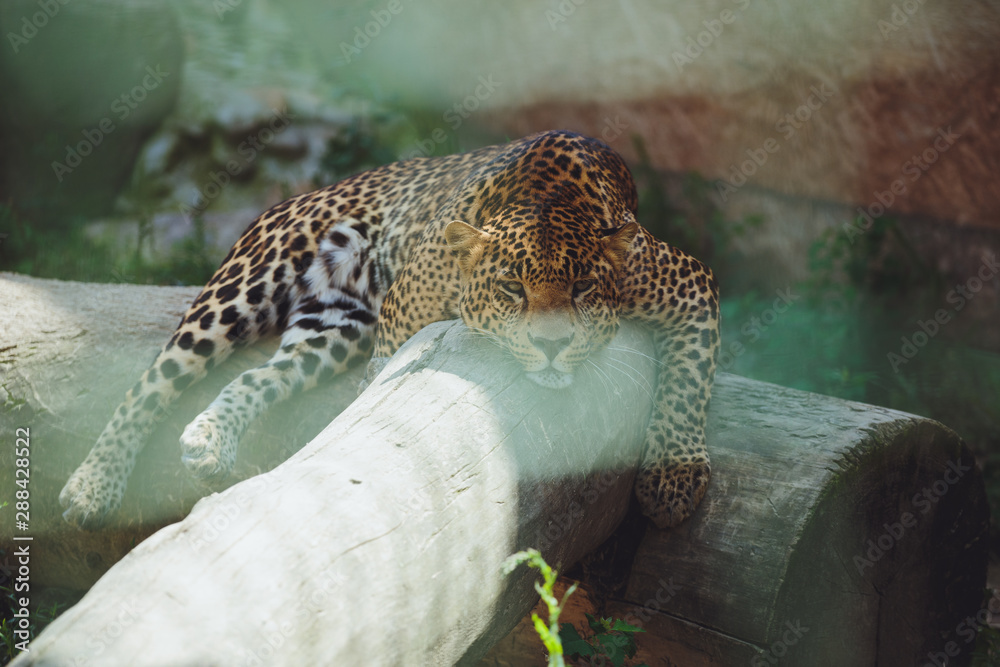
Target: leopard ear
(467, 242)
(617, 243)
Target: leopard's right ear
(467, 242)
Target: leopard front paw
(90, 495)
(669, 492)
(208, 449)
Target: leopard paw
(208, 449)
(669, 492)
(90, 496)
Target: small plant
(987, 652)
(39, 620)
(549, 634)
(612, 639)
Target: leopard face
(548, 293)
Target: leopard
(534, 242)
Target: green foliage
(987, 647)
(352, 150)
(865, 291)
(70, 254)
(987, 652)
(688, 216)
(612, 639)
(549, 634)
(875, 263)
(38, 620)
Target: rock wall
(810, 114)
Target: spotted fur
(534, 242)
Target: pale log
(68, 353)
(380, 542)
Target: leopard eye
(581, 287)
(511, 287)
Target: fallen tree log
(837, 534)
(832, 533)
(381, 541)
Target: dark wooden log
(833, 533)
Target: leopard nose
(550, 348)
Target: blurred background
(836, 164)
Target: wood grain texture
(804, 486)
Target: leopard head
(547, 292)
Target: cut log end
(833, 534)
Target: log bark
(381, 541)
(833, 533)
(865, 525)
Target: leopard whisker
(659, 363)
(486, 335)
(603, 377)
(634, 375)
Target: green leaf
(573, 643)
(622, 626)
(598, 625)
(611, 646)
